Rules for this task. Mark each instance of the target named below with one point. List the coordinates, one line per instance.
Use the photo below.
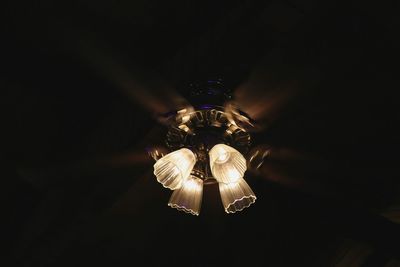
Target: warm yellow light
(233, 175)
(236, 196)
(227, 164)
(175, 167)
(184, 127)
(222, 157)
(185, 118)
(188, 197)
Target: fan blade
(291, 168)
(329, 178)
(281, 154)
(264, 95)
(277, 81)
(261, 99)
(146, 88)
(73, 171)
(83, 190)
(143, 194)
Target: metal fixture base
(200, 130)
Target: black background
(85, 80)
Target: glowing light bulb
(236, 196)
(227, 164)
(188, 197)
(175, 167)
(223, 157)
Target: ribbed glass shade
(188, 197)
(236, 196)
(172, 169)
(227, 164)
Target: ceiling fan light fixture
(236, 196)
(227, 164)
(188, 198)
(209, 143)
(174, 168)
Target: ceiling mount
(204, 128)
(211, 92)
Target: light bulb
(188, 197)
(236, 196)
(227, 164)
(175, 167)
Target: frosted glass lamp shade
(227, 164)
(175, 167)
(188, 197)
(236, 196)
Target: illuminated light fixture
(236, 196)
(227, 164)
(209, 144)
(172, 169)
(188, 198)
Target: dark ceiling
(84, 84)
